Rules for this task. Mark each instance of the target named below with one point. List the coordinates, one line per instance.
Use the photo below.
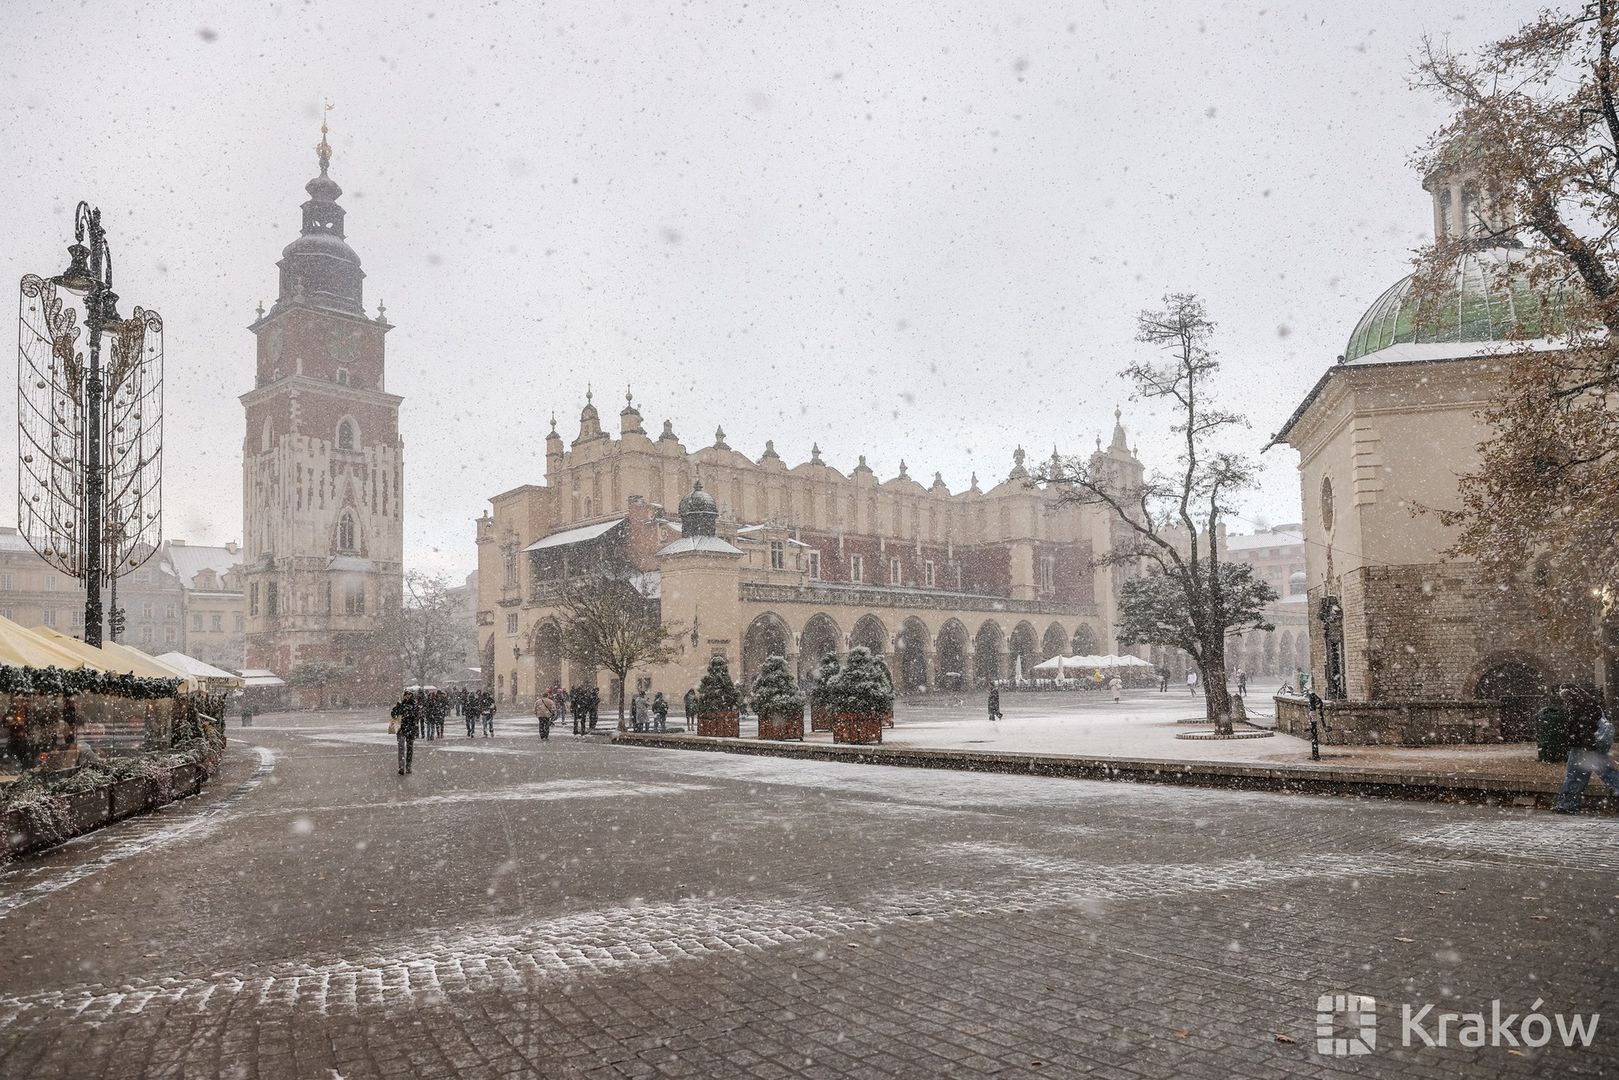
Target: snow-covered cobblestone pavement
(572, 908)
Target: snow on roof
(189, 560)
(261, 677)
(575, 536)
(1284, 537)
(700, 543)
(351, 563)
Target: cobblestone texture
(579, 909)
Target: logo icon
(1345, 1024)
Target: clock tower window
(345, 435)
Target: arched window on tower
(345, 435)
(342, 376)
(345, 532)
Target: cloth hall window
(345, 533)
(815, 566)
(894, 577)
(857, 568)
(778, 555)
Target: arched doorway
(870, 633)
(547, 656)
(911, 655)
(1023, 648)
(766, 637)
(820, 637)
(987, 645)
(1521, 688)
(1085, 642)
(950, 656)
(1055, 643)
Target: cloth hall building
(951, 587)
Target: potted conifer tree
(778, 701)
(861, 696)
(718, 702)
(820, 695)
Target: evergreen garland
(775, 690)
(717, 693)
(863, 685)
(821, 682)
(55, 680)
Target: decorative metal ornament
(89, 435)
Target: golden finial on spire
(324, 149)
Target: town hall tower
(322, 467)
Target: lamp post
(94, 283)
(90, 437)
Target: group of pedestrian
(583, 703)
(474, 706)
(653, 714)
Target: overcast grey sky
(913, 230)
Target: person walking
(545, 708)
(1116, 685)
(660, 712)
(466, 705)
(994, 703)
(1191, 680)
(486, 709)
(1590, 740)
(1163, 680)
(640, 710)
(1242, 682)
(407, 718)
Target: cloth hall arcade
(952, 587)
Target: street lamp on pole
(89, 434)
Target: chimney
(232, 547)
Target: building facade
(952, 587)
(322, 466)
(213, 601)
(1406, 643)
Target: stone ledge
(1285, 779)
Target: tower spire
(323, 149)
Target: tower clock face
(344, 343)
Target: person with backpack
(545, 709)
(1590, 740)
(660, 712)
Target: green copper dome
(1491, 301)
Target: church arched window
(342, 376)
(345, 435)
(345, 532)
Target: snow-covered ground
(1142, 725)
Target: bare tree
(1536, 126)
(612, 624)
(1172, 519)
(424, 631)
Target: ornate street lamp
(89, 439)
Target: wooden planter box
(87, 810)
(857, 728)
(723, 724)
(185, 780)
(13, 833)
(130, 796)
(820, 718)
(782, 725)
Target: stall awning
(253, 678)
(215, 677)
(575, 536)
(21, 647)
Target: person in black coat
(408, 713)
(994, 703)
(1590, 740)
